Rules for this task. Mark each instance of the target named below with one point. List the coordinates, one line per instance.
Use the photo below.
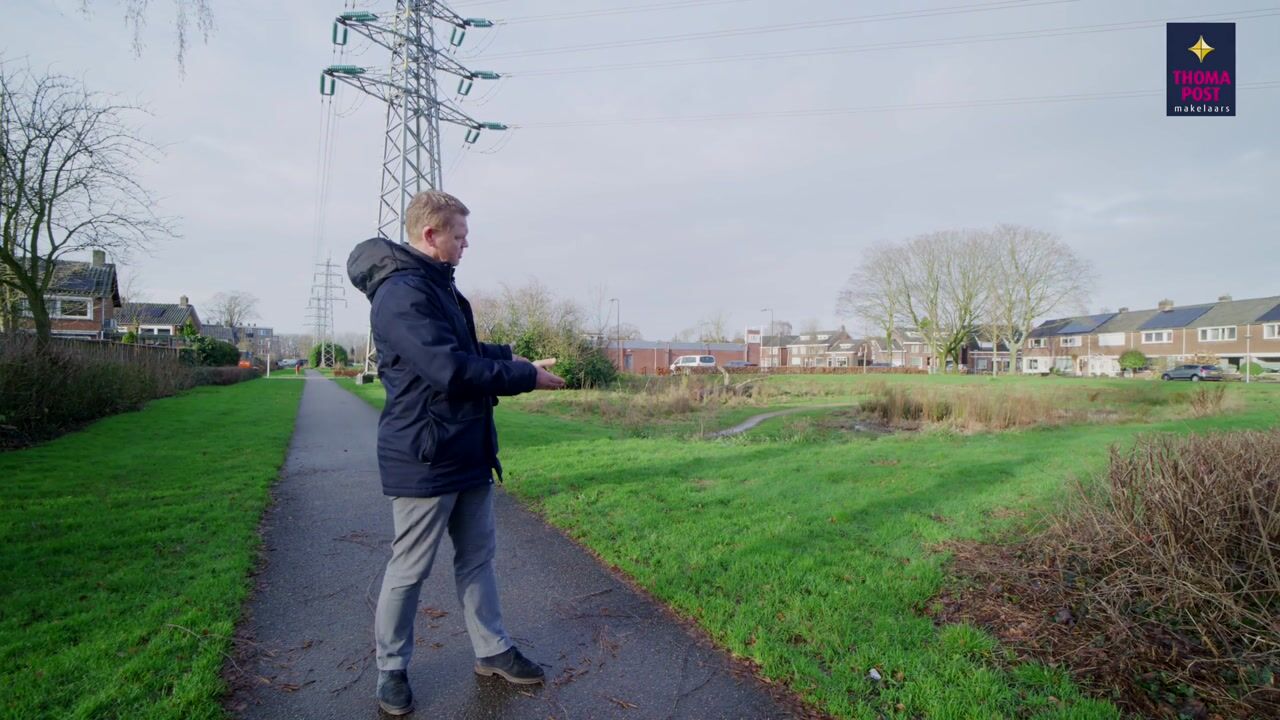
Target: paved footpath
(307, 643)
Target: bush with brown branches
(1160, 584)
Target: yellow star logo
(1201, 48)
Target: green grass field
(125, 550)
(816, 554)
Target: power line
(831, 112)
(900, 45)
(787, 27)
(627, 10)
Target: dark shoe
(511, 666)
(395, 696)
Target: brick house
(811, 349)
(915, 351)
(774, 352)
(82, 298)
(157, 321)
(1230, 331)
(252, 339)
(649, 357)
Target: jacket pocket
(429, 441)
(460, 445)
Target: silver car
(1194, 373)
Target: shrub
(340, 356)
(1157, 585)
(1133, 360)
(214, 353)
(223, 375)
(47, 391)
(1175, 555)
(1253, 369)
(584, 367)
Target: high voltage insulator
(411, 150)
(411, 159)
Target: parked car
(693, 362)
(1194, 373)
(738, 364)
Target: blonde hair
(431, 208)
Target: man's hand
(547, 381)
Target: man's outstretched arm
(409, 322)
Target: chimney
(1165, 305)
(183, 302)
(99, 258)
(1123, 310)
(1224, 298)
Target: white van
(693, 362)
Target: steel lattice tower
(327, 290)
(411, 148)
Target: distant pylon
(327, 290)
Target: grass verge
(815, 555)
(125, 550)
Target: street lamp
(620, 355)
(771, 334)
(1248, 354)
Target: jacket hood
(374, 260)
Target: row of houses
(834, 348)
(84, 302)
(1227, 332)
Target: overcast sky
(683, 219)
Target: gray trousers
(420, 525)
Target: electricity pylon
(327, 289)
(409, 89)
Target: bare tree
(966, 265)
(938, 283)
(628, 332)
(530, 311)
(133, 290)
(234, 309)
(870, 293)
(68, 159)
(1035, 273)
(918, 281)
(487, 309)
(714, 328)
(601, 315)
(190, 15)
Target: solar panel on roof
(1272, 315)
(1175, 318)
(1085, 324)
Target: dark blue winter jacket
(436, 434)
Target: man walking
(437, 443)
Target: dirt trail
(755, 420)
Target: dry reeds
(964, 408)
(1207, 400)
(978, 408)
